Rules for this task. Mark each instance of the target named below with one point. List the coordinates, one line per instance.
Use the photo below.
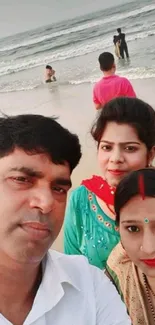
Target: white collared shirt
(72, 292)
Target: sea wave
(79, 50)
(39, 39)
(25, 85)
(132, 74)
(20, 85)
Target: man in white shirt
(37, 157)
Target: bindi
(146, 220)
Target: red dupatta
(100, 188)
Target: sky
(20, 15)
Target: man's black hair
(39, 134)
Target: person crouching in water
(123, 44)
(117, 46)
(49, 74)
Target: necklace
(148, 289)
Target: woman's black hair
(131, 111)
(140, 182)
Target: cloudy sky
(20, 15)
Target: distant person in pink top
(111, 85)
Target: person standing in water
(49, 74)
(116, 42)
(123, 44)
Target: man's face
(33, 192)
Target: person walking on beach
(111, 85)
(123, 44)
(39, 286)
(49, 74)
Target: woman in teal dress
(125, 135)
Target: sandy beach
(74, 108)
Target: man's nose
(42, 199)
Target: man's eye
(20, 179)
(133, 229)
(59, 190)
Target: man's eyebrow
(62, 181)
(28, 171)
(34, 173)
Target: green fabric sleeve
(72, 225)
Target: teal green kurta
(87, 229)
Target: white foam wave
(50, 36)
(71, 52)
(20, 85)
(81, 27)
(132, 13)
(132, 74)
(138, 73)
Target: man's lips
(36, 230)
(116, 172)
(36, 225)
(149, 262)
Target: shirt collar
(61, 264)
(51, 289)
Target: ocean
(72, 48)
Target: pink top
(111, 87)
